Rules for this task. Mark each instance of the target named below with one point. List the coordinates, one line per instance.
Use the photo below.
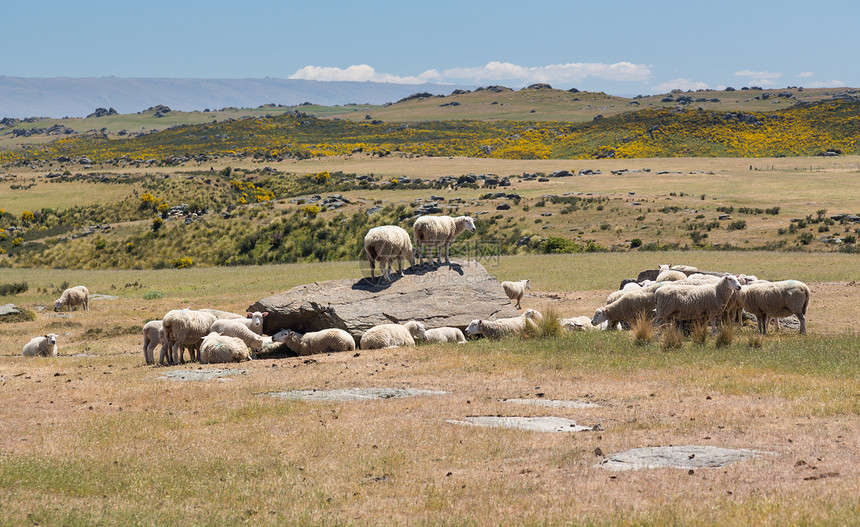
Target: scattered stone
(97, 296)
(553, 403)
(354, 394)
(533, 424)
(201, 375)
(9, 309)
(684, 457)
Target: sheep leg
(518, 302)
(802, 318)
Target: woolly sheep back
(516, 290)
(325, 341)
(73, 297)
(41, 346)
(438, 232)
(385, 244)
(183, 328)
(216, 348)
(445, 334)
(768, 300)
(392, 335)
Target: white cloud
(762, 78)
(680, 84)
(361, 73)
(491, 72)
(826, 84)
(805, 74)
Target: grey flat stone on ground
(533, 424)
(9, 309)
(436, 296)
(200, 375)
(685, 457)
(553, 403)
(354, 394)
(103, 297)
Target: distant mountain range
(57, 97)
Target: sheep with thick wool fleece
(44, 346)
(503, 327)
(221, 348)
(580, 323)
(516, 290)
(445, 334)
(222, 315)
(705, 302)
(153, 335)
(768, 300)
(667, 274)
(627, 308)
(183, 328)
(234, 327)
(385, 244)
(72, 297)
(439, 232)
(325, 341)
(392, 335)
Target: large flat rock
(443, 296)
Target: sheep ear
(265, 313)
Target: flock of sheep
(676, 295)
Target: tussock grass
(642, 330)
(672, 338)
(725, 336)
(699, 332)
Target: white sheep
(669, 275)
(220, 348)
(768, 300)
(580, 323)
(445, 334)
(254, 321)
(74, 296)
(222, 315)
(705, 302)
(153, 335)
(385, 244)
(392, 335)
(325, 341)
(235, 327)
(503, 327)
(183, 328)
(516, 290)
(438, 232)
(627, 308)
(45, 346)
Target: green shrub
(13, 288)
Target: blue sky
(620, 47)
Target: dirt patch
(354, 394)
(533, 424)
(685, 457)
(201, 375)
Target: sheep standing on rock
(439, 232)
(45, 346)
(704, 302)
(392, 335)
(516, 290)
(768, 300)
(183, 328)
(626, 309)
(325, 341)
(219, 348)
(445, 334)
(234, 327)
(503, 327)
(385, 244)
(153, 335)
(74, 296)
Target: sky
(618, 47)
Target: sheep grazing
(44, 346)
(580, 323)
(235, 327)
(516, 290)
(439, 232)
(392, 335)
(385, 244)
(706, 302)
(219, 348)
(503, 327)
(183, 328)
(669, 275)
(445, 334)
(325, 341)
(768, 300)
(153, 335)
(628, 307)
(72, 297)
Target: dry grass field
(96, 437)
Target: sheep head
(600, 316)
(52, 338)
(473, 327)
(733, 282)
(468, 223)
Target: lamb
(695, 302)
(627, 308)
(235, 327)
(254, 321)
(503, 327)
(74, 296)
(45, 346)
(325, 341)
(439, 232)
(392, 335)
(153, 334)
(446, 334)
(669, 275)
(183, 328)
(220, 348)
(580, 323)
(516, 290)
(768, 300)
(385, 244)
